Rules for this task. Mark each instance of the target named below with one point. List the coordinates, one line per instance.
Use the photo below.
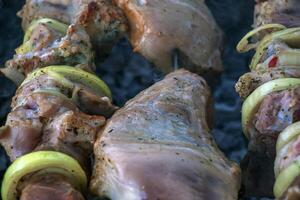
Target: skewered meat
(159, 147)
(153, 28)
(51, 130)
(252, 80)
(284, 12)
(49, 187)
(271, 93)
(45, 116)
(103, 21)
(155, 33)
(56, 113)
(73, 49)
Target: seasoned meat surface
(153, 28)
(23, 129)
(86, 100)
(53, 187)
(103, 21)
(252, 80)
(73, 133)
(162, 134)
(158, 27)
(277, 111)
(50, 113)
(284, 12)
(73, 49)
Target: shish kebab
(46, 108)
(270, 113)
(151, 26)
(159, 146)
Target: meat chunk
(252, 80)
(24, 125)
(159, 27)
(284, 12)
(277, 111)
(45, 117)
(43, 36)
(73, 133)
(87, 101)
(103, 21)
(50, 187)
(74, 49)
(153, 28)
(162, 134)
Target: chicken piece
(159, 146)
(103, 21)
(88, 101)
(73, 133)
(46, 117)
(270, 105)
(24, 125)
(153, 28)
(159, 27)
(284, 12)
(252, 80)
(74, 49)
(277, 111)
(49, 188)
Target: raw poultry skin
(159, 146)
(158, 27)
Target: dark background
(127, 73)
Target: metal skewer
(175, 59)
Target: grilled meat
(45, 116)
(152, 28)
(102, 20)
(271, 94)
(284, 12)
(57, 109)
(155, 33)
(277, 111)
(163, 134)
(73, 49)
(252, 80)
(49, 188)
(61, 109)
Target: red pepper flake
(273, 62)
